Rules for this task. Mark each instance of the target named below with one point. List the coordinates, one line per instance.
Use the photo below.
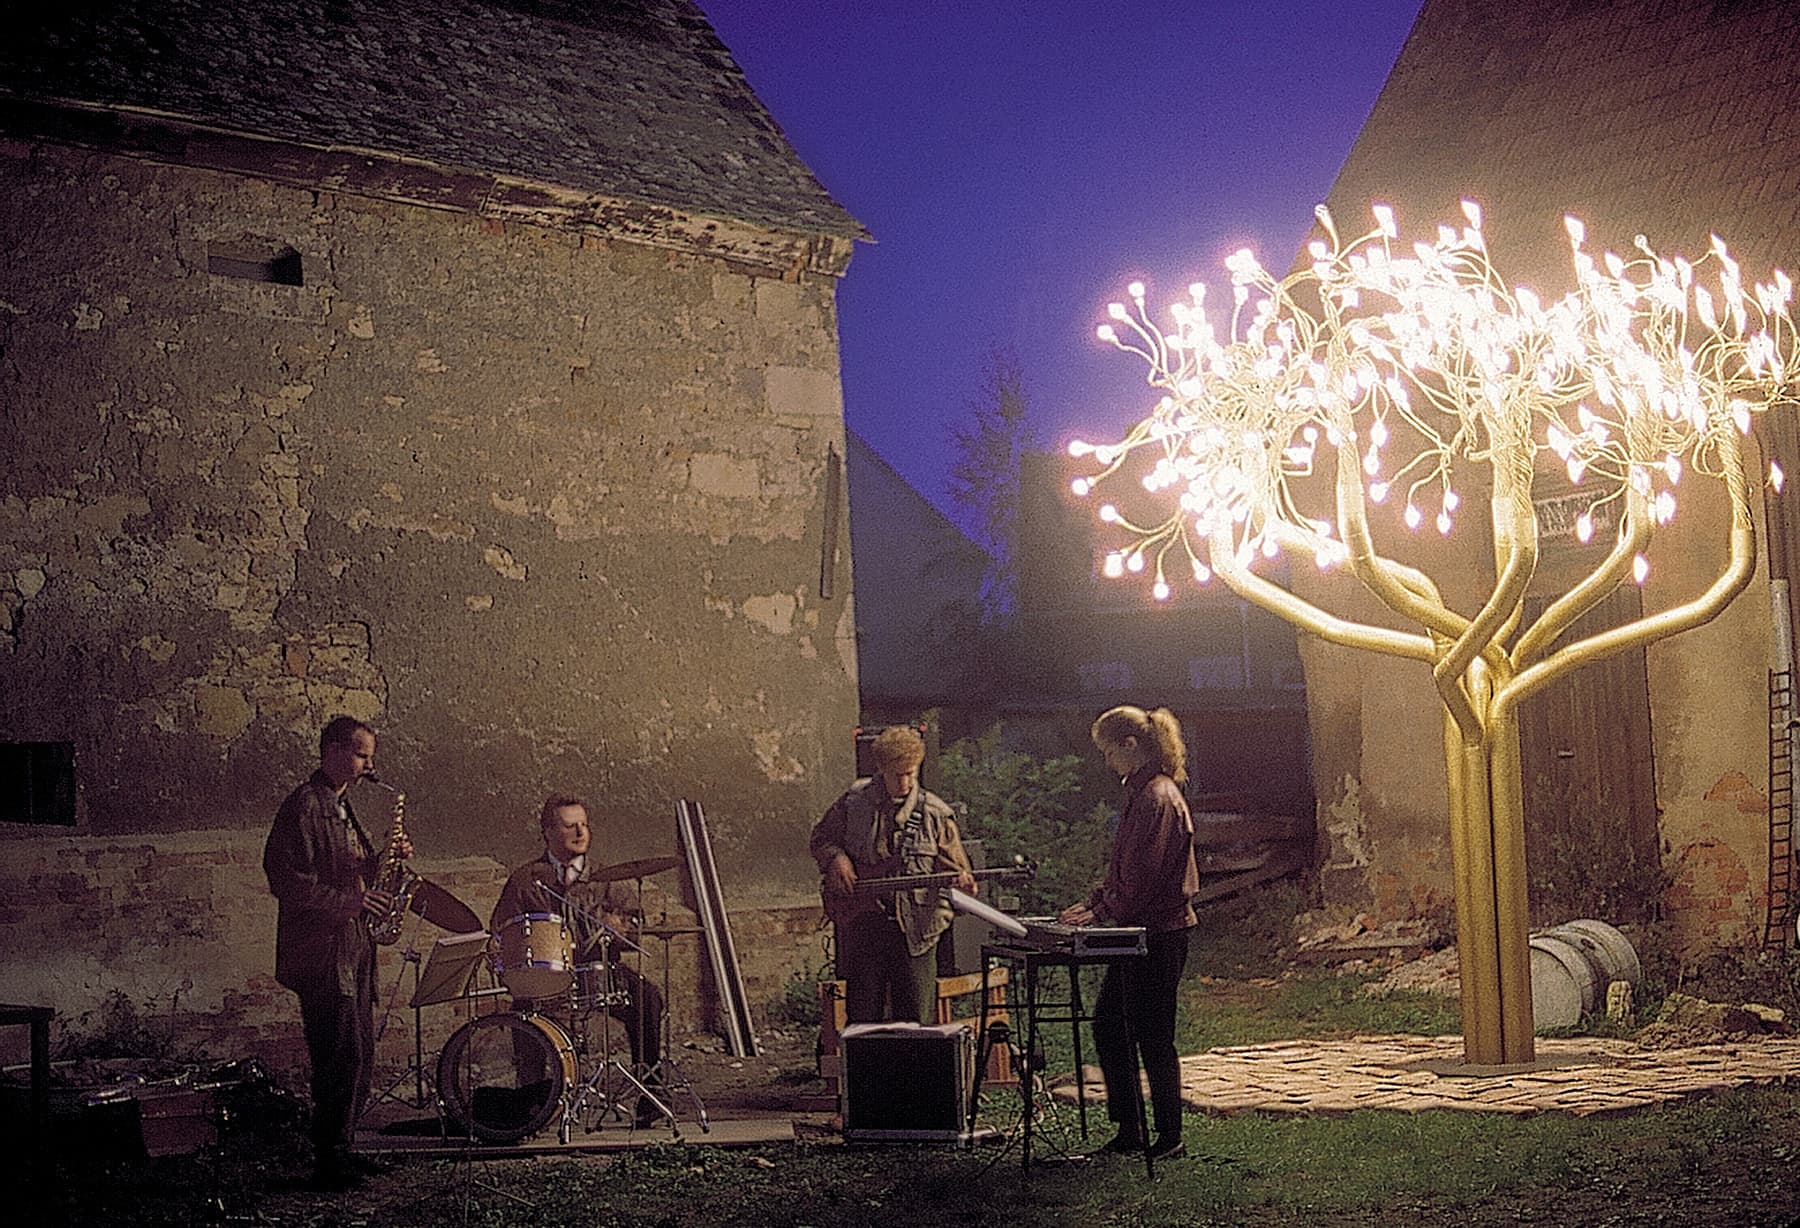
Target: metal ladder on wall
(1781, 813)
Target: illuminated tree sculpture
(1408, 365)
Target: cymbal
(643, 867)
(444, 910)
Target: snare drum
(503, 1077)
(595, 988)
(536, 955)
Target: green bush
(798, 1002)
(1018, 805)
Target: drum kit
(507, 1076)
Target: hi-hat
(643, 867)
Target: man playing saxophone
(319, 864)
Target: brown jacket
(584, 907)
(1152, 878)
(315, 868)
(868, 827)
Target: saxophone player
(319, 864)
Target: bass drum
(503, 1077)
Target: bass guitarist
(887, 825)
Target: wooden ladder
(1780, 926)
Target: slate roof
(631, 98)
(1670, 118)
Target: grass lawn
(1727, 1159)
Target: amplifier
(903, 1082)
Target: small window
(1220, 673)
(280, 268)
(37, 783)
(1104, 676)
(1290, 676)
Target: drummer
(567, 882)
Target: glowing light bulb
(1413, 516)
(1114, 567)
(1384, 218)
(1134, 562)
(1108, 513)
(1640, 569)
(1443, 523)
(1584, 528)
(1105, 333)
(1777, 478)
(1378, 492)
(1080, 487)
(1160, 590)
(1078, 447)
(1116, 310)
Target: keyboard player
(1150, 880)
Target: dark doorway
(1591, 830)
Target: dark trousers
(877, 968)
(642, 1015)
(340, 1045)
(1148, 987)
(641, 1018)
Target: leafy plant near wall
(797, 1004)
(118, 1029)
(1018, 805)
(1582, 862)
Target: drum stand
(667, 1073)
(610, 1079)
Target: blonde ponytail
(1158, 733)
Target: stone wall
(544, 506)
(175, 937)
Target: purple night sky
(1019, 162)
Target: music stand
(445, 976)
(449, 968)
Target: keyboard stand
(1032, 960)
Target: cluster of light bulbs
(1632, 378)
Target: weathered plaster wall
(1709, 717)
(544, 507)
(1377, 741)
(180, 926)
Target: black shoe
(334, 1178)
(1168, 1147)
(1121, 1144)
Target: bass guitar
(865, 896)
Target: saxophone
(393, 876)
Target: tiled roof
(636, 99)
(1670, 118)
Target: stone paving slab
(1579, 1075)
(1412, 1074)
